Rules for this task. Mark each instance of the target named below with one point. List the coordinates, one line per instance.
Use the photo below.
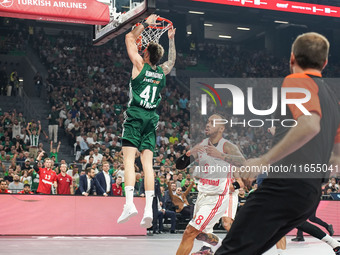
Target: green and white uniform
(141, 119)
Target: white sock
(330, 241)
(149, 195)
(129, 194)
(280, 252)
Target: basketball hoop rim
(160, 19)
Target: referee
(284, 201)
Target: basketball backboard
(123, 15)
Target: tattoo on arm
(234, 156)
(233, 159)
(168, 65)
(208, 238)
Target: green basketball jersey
(145, 89)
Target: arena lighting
(195, 12)
(282, 5)
(243, 28)
(225, 36)
(281, 22)
(208, 25)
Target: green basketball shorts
(140, 127)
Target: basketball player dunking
(213, 186)
(141, 119)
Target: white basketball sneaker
(128, 212)
(147, 219)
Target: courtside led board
(279, 5)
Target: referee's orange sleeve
(337, 136)
(301, 80)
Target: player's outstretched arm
(308, 128)
(168, 65)
(131, 47)
(130, 41)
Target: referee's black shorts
(278, 206)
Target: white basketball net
(152, 33)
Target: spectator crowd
(87, 91)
